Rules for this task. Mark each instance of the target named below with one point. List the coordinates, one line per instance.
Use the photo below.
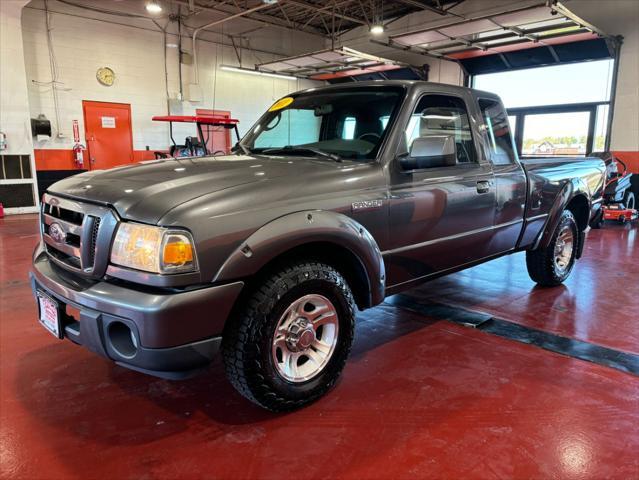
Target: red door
(218, 139)
(107, 127)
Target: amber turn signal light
(177, 253)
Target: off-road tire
(599, 221)
(541, 262)
(629, 200)
(247, 339)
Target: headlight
(153, 249)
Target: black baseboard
(46, 178)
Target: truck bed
(548, 172)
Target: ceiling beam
(562, 10)
(415, 3)
(405, 48)
(255, 17)
(327, 9)
(317, 13)
(466, 20)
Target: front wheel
(552, 265)
(288, 345)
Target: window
(555, 134)
(15, 167)
(574, 83)
(498, 132)
(17, 182)
(348, 130)
(512, 120)
(601, 128)
(292, 127)
(442, 115)
(346, 122)
(569, 119)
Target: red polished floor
(597, 304)
(420, 398)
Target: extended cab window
(351, 124)
(438, 115)
(498, 132)
(348, 130)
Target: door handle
(483, 186)
(90, 140)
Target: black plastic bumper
(170, 335)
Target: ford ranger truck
(336, 198)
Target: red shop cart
(194, 146)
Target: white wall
(620, 17)
(246, 96)
(14, 102)
(14, 106)
(136, 54)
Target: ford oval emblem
(56, 232)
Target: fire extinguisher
(78, 155)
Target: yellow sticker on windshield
(281, 103)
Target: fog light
(123, 340)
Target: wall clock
(105, 76)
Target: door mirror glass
(430, 151)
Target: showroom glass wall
(559, 110)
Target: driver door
(441, 217)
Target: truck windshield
(341, 124)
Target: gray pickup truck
(336, 198)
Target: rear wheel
(552, 265)
(629, 200)
(598, 221)
(288, 345)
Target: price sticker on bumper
(49, 317)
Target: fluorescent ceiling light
(153, 7)
(377, 29)
(256, 72)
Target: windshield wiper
(238, 147)
(291, 149)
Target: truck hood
(146, 191)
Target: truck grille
(77, 235)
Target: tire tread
(241, 353)
(540, 262)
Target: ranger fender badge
(366, 204)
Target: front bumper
(170, 335)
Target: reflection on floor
(597, 304)
(420, 398)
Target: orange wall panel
(58, 159)
(62, 159)
(631, 159)
(140, 155)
